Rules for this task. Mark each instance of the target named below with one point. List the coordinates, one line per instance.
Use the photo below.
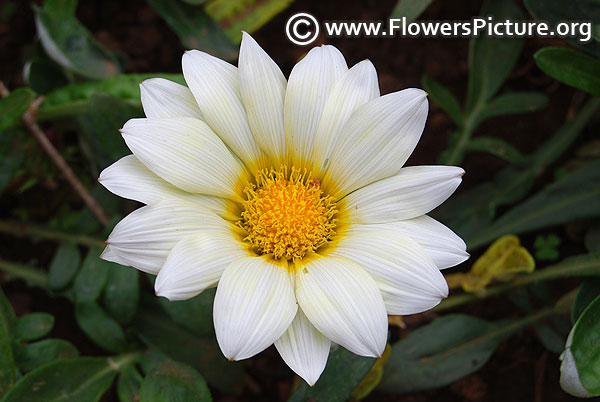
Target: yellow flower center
(286, 214)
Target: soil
(521, 369)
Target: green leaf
(11, 155)
(425, 359)
(472, 210)
(41, 73)
(150, 359)
(128, 384)
(44, 76)
(74, 99)
(107, 115)
(235, 19)
(14, 105)
(100, 327)
(172, 381)
(343, 373)
(592, 238)
(122, 293)
(31, 356)
(82, 379)
(444, 99)
(194, 314)
(586, 348)
(195, 28)
(514, 103)
(158, 331)
(33, 326)
(570, 198)
(570, 67)
(68, 43)
(411, 9)
(492, 59)
(496, 147)
(92, 277)
(555, 11)
(8, 371)
(588, 291)
(64, 266)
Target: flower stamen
(286, 214)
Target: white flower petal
(163, 98)
(196, 263)
(378, 139)
(356, 87)
(129, 178)
(144, 238)
(304, 349)
(216, 87)
(407, 277)
(262, 86)
(413, 192)
(110, 255)
(442, 244)
(343, 302)
(186, 153)
(309, 85)
(253, 307)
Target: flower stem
(32, 275)
(20, 229)
(582, 265)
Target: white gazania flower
(290, 197)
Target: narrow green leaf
(158, 331)
(194, 314)
(514, 103)
(411, 9)
(492, 59)
(64, 266)
(31, 356)
(586, 348)
(195, 28)
(444, 99)
(122, 293)
(82, 379)
(8, 371)
(570, 67)
(588, 291)
(555, 11)
(496, 147)
(470, 211)
(172, 381)
(425, 359)
(100, 327)
(564, 201)
(343, 373)
(128, 384)
(92, 277)
(33, 326)
(69, 44)
(14, 105)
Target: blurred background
(96, 42)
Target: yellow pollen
(286, 214)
